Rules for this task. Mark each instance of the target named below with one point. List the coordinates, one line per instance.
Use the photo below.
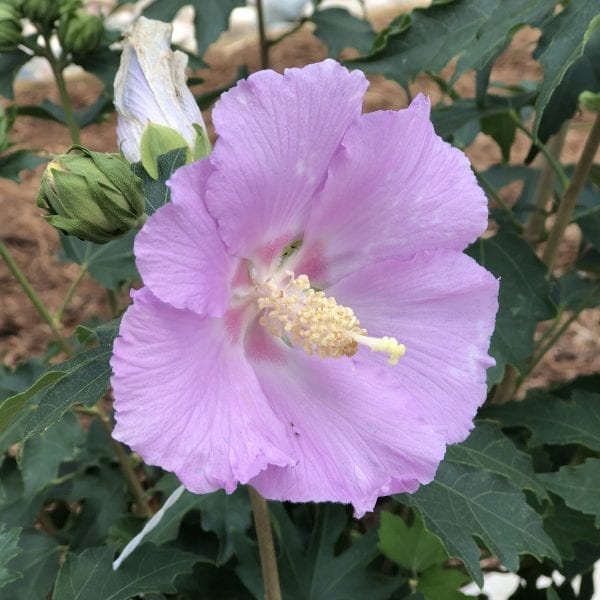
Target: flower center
(317, 323)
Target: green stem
(555, 164)
(535, 224)
(266, 546)
(491, 191)
(262, 36)
(135, 487)
(571, 194)
(506, 389)
(69, 295)
(35, 299)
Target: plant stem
(491, 191)
(35, 299)
(266, 546)
(569, 199)
(69, 295)
(506, 388)
(262, 36)
(535, 224)
(135, 487)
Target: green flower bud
(44, 12)
(590, 101)
(6, 121)
(91, 195)
(10, 27)
(80, 32)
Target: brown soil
(34, 244)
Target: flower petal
(394, 188)
(187, 400)
(355, 432)
(441, 306)
(277, 134)
(179, 253)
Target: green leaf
(435, 35)
(103, 63)
(524, 298)
(84, 379)
(339, 29)
(563, 41)
(38, 562)
(312, 569)
(9, 549)
(488, 448)
(12, 164)
(156, 191)
(579, 486)
(574, 292)
(89, 575)
(211, 17)
(414, 548)
(465, 501)
(554, 421)
(10, 63)
(15, 507)
(42, 455)
(94, 113)
(502, 129)
(441, 582)
(587, 213)
(110, 264)
(495, 34)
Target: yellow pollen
(317, 323)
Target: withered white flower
(150, 88)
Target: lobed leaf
(9, 549)
(339, 29)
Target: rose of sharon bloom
(309, 251)
(150, 87)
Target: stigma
(307, 318)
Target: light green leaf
(110, 264)
(524, 298)
(441, 582)
(89, 575)
(414, 548)
(9, 549)
(487, 447)
(562, 43)
(435, 35)
(84, 380)
(339, 29)
(554, 421)
(42, 455)
(579, 486)
(465, 501)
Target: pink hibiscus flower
(313, 243)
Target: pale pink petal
(187, 400)
(179, 253)
(394, 188)
(354, 430)
(277, 134)
(441, 306)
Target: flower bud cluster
(91, 195)
(10, 27)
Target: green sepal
(202, 145)
(157, 140)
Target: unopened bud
(590, 101)
(80, 32)
(44, 12)
(10, 27)
(91, 195)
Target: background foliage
(520, 494)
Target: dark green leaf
(9, 549)
(10, 63)
(38, 562)
(579, 486)
(103, 63)
(110, 264)
(93, 113)
(42, 455)
(487, 447)
(338, 29)
(563, 41)
(84, 379)
(587, 213)
(574, 292)
(89, 575)
(414, 548)
(156, 192)
(13, 163)
(436, 34)
(554, 421)
(503, 130)
(524, 298)
(16, 509)
(441, 582)
(465, 501)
